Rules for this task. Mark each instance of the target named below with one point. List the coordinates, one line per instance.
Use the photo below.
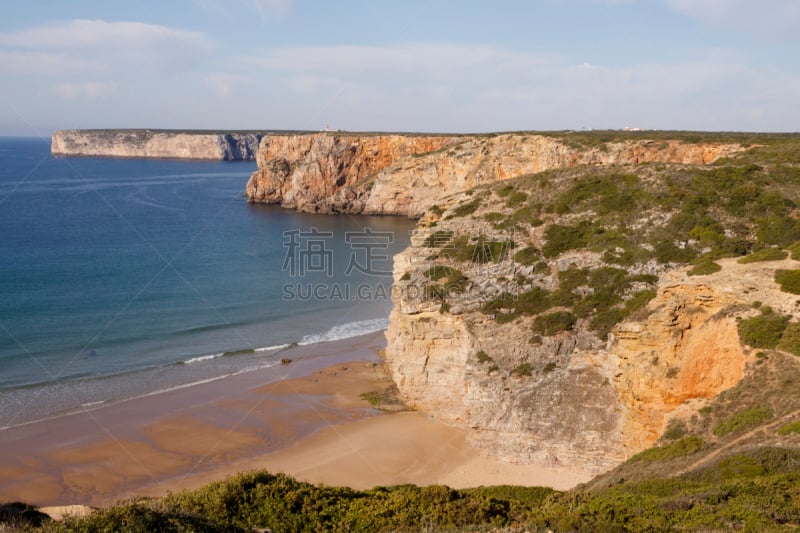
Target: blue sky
(435, 65)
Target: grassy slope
(733, 465)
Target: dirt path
(727, 446)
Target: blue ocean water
(121, 277)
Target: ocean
(121, 278)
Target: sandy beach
(306, 419)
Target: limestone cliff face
(329, 173)
(156, 144)
(405, 175)
(463, 343)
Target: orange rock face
(685, 350)
(405, 174)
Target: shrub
(573, 278)
(437, 272)
(790, 340)
(523, 369)
(704, 268)
(437, 239)
(791, 427)
(789, 280)
(549, 367)
(763, 331)
(765, 254)
(666, 251)
(605, 320)
(483, 357)
(482, 251)
(465, 209)
(779, 230)
(527, 256)
(639, 300)
(562, 238)
(675, 430)
(505, 190)
(742, 420)
(436, 210)
(679, 448)
(795, 250)
(516, 198)
(553, 323)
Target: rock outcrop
(406, 174)
(634, 342)
(157, 144)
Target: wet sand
(305, 419)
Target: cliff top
(586, 139)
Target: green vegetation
(523, 370)
(508, 307)
(756, 490)
(436, 210)
(765, 254)
(516, 198)
(528, 256)
(553, 323)
(789, 280)
(791, 427)
(704, 268)
(764, 331)
(483, 357)
(679, 448)
(437, 272)
(562, 238)
(790, 340)
(675, 430)
(461, 248)
(467, 208)
(794, 249)
(742, 420)
(437, 239)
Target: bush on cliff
(764, 331)
(553, 323)
(789, 280)
(742, 420)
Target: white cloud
(34, 62)
(267, 10)
(89, 89)
(114, 43)
(270, 9)
(765, 17)
(472, 87)
(226, 83)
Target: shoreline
(305, 419)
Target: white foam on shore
(202, 358)
(346, 331)
(272, 348)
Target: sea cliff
(164, 144)
(393, 174)
(569, 317)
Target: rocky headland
(394, 174)
(157, 144)
(566, 297)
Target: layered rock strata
(406, 174)
(157, 144)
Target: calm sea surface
(120, 278)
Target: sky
(380, 65)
